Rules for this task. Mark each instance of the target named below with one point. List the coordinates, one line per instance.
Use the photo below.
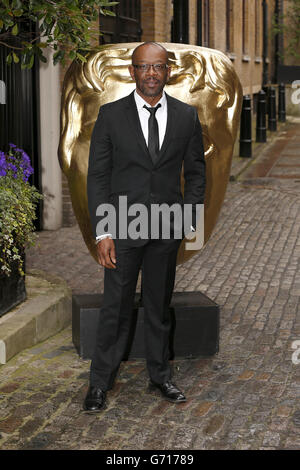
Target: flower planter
(12, 289)
(18, 199)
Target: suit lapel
(169, 129)
(134, 121)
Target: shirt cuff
(101, 237)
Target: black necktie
(153, 136)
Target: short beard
(152, 93)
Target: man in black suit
(138, 146)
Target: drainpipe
(199, 22)
(278, 39)
(265, 42)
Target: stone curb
(241, 164)
(47, 310)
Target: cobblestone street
(245, 397)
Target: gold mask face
(204, 78)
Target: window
(125, 26)
(203, 23)
(180, 24)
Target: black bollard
(281, 103)
(245, 128)
(266, 90)
(261, 128)
(272, 110)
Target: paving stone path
(246, 397)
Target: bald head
(150, 71)
(138, 51)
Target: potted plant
(18, 200)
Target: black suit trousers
(157, 258)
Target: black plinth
(194, 333)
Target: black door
(19, 113)
(125, 26)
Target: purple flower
(16, 163)
(3, 164)
(25, 157)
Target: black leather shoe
(169, 391)
(95, 400)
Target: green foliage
(64, 25)
(18, 200)
(289, 25)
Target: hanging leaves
(27, 28)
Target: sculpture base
(194, 332)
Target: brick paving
(246, 397)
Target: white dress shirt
(161, 116)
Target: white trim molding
(50, 129)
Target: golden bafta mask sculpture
(204, 78)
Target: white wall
(50, 128)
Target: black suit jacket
(120, 164)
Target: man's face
(150, 83)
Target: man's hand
(106, 253)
